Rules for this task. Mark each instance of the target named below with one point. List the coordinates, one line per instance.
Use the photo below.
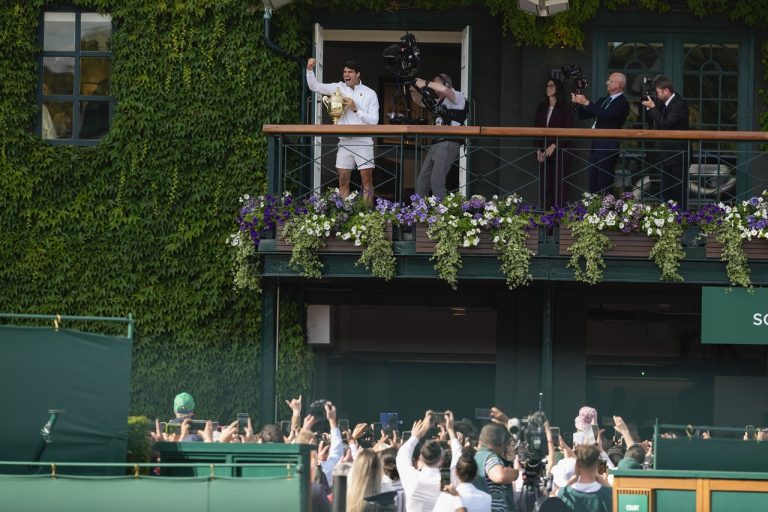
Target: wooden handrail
(510, 131)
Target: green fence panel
(632, 503)
(126, 494)
(287, 464)
(86, 374)
(738, 501)
(715, 454)
(675, 501)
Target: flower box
(424, 245)
(756, 249)
(625, 245)
(334, 245)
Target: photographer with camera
(670, 112)
(361, 108)
(448, 106)
(609, 112)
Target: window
(75, 74)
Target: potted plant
(732, 227)
(593, 222)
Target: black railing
(717, 166)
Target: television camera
(404, 59)
(529, 440)
(574, 74)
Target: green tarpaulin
(88, 375)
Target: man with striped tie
(609, 112)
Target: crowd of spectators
(442, 464)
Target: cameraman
(449, 110)
(670, 113)
(361, 107)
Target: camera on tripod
(404, 58)
(576, 75)
(530, 447)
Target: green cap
(184, 403)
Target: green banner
(734, 316)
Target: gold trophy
(335, 105)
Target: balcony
(726, 167)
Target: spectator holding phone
(306, 436)
(184, 412)
(422, 484)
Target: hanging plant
(510, 228)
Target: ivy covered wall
(138, 224)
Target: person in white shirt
(422, 486)
(361, 107)
(467, 495)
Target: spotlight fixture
(274, 5)
(543, 7)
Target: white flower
(658, 222)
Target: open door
(326, 44)
(317, 109)
(467, 90)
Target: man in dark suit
(670, 112)
(609, 112)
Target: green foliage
(509, 241)
(139, 222)
(295, 359)
(306, 236)
(736, 265)
(668, 252)
(378, 256)
(448, 240)
(330, 215)
(589, 246)
(139, 444)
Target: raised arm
(315, 85)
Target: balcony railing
(721, 166)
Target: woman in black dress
(555, 157)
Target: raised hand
(309, 421)
(295, 405)
(357, 433)
(498, 416)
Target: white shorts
(354, 154)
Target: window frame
(76, 98)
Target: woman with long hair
(364, 480)
(554, 159)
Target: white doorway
(453, 46)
